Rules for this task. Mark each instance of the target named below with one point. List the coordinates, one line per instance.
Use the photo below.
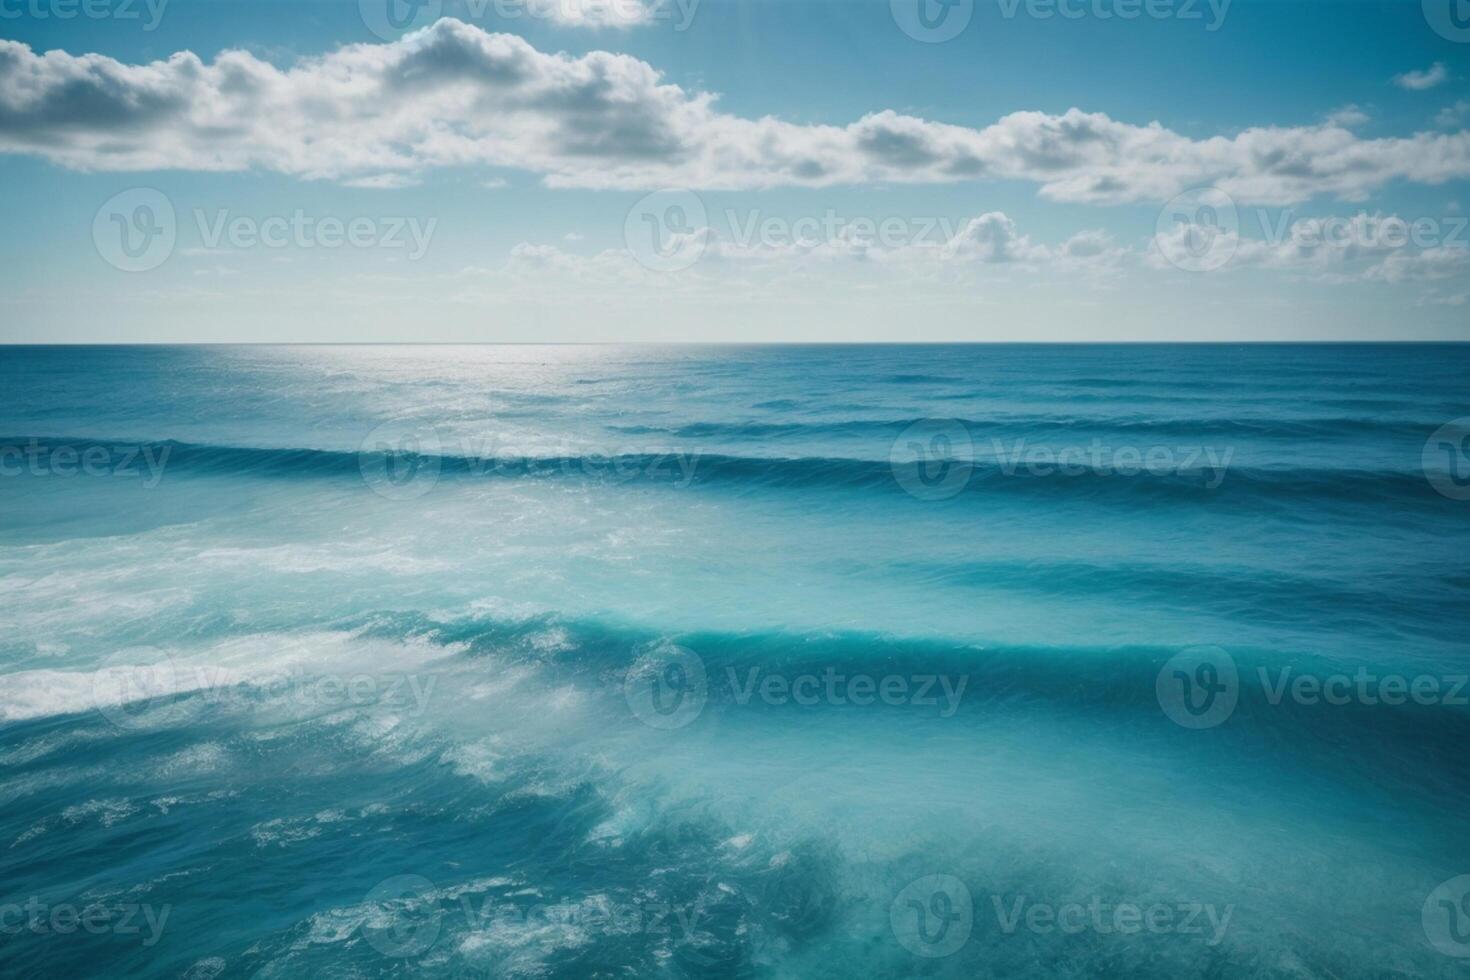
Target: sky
(734, 170)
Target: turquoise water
(687, 661)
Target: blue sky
(849, 182)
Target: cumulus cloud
(1347, 116)
(1363, 247)
(858, 251)
(993, 238)
(1418, 81)
(454, 95)
(1453, 115)
(1438, 262)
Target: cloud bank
(453, 95)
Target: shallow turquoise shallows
(872, 661)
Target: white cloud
(454, 95)
(1348, 117)
(1439, 262)
(1453, 115)
(1418, 81)
(383, 182)
(1363, 247)
(857, 254)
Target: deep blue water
(723, 661)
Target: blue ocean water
(734, 661)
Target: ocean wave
(1031, 425)
(1113, 683)
(1192, 477)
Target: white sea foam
(32, 694)
(272, 661)
(301, 559)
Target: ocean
(685, 661)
